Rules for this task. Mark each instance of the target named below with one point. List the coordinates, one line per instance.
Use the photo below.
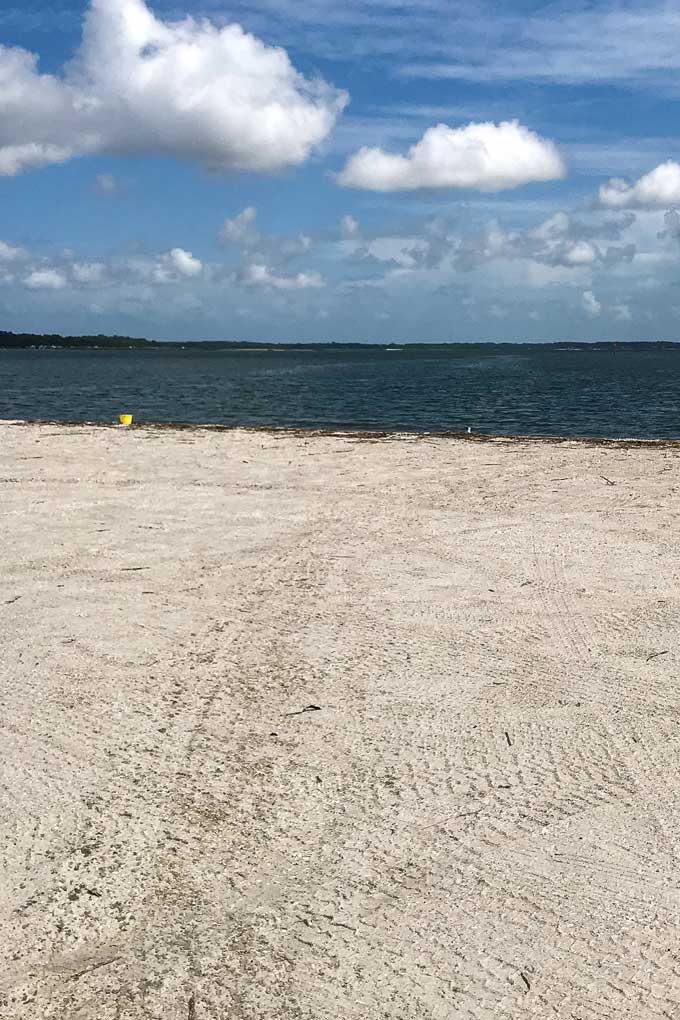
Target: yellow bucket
(125, 419)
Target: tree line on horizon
(101, 341)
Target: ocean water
(494, 390)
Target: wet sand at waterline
(311, 727)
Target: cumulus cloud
(45, 279)
(139, 85)
(176, 264)
(241, 228)
(591, 306)
(487, 157)
(8, 253)
(259, 275)
(561, 249)
(140, 273)
(184, 262)
(561, 226)
(559, 242)
(261, 249)
(671, 227)
(572, 243)
(580, 254)
(659, 188)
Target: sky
(376, 170)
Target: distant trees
(55, 340)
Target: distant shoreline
(38, 341)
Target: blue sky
(273, 170)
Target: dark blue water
(530, 391)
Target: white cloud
(488, 157)
(580, 254)
(633, 41)
(8, 253)
(88, 272)
(45, 279)
(555, 227)
(263, 249)
(241, 228)
(560, 250)
(622, 313)
(14, 159)
(184, 262)
(106, 185)
(659, 188)
(259, 275)
(174, 265)
(564, 246)
(399, 251)
(349, 227)
(591, 306)
(139, 85)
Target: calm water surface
(535, 391)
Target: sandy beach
(307, 727)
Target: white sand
(482, 820)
